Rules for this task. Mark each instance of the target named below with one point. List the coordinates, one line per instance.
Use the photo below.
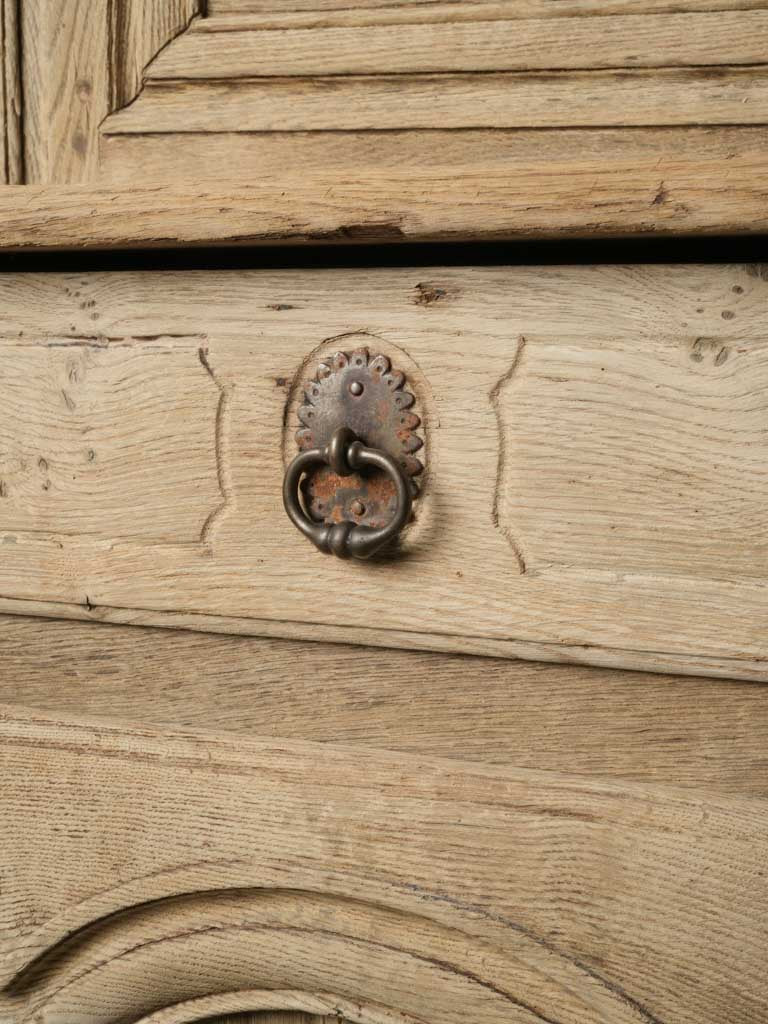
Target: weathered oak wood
(596, 99)
(629, 193)
(66, 86)
(323, 1009)
(11, 145)
(178, 866)
(597, 467)
(221, 50)
(685, 731)
(82, 59)
(84, 66)
(439, 890)
(280, 13)
(139, 30)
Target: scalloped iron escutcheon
(367, 395)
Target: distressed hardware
(351, 488)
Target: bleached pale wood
(595, 438)
(324, 1009)
(85, 61)
(569, 654)
(500, 183)
(160, 494)
(11, 147)
(181, 866)
(625, 192)
(687, 732)
(139, 30)
(629, 160)
(66, 86)
(80, 59)
(662, 40)
(377, 102)
(282, 12)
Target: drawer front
(177, 879)
(686, 731)
(594, 442)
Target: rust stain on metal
(366, 394)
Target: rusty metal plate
(367, 395)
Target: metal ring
(346, 454)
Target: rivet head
(357, 508)
(356, 388)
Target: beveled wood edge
(746, 670)
(429, 207)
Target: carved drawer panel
(171, 879)
(595, 456)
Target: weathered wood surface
(627, 191)
(708, 734)
(435, 95)
(597, 99)
(11, 145)
(514, 182)
(81, 60)
(278, 13)
(66, 86)
(322, 1009)
(253, 83)
(145, 870)
(218, 49)
(595, 445)
(139, 30)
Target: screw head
(357, 508)
(356, 388)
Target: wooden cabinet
(501, 841)
(594, 452)
(174, 877)
(511, 769)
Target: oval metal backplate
(368, 395)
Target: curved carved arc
(362, 969)
(500, 515)
(195, 1011)
(189, 947)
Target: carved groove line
(502, 471)
(327, 933)
(226, 486)
(221, 428)
(622, 1001)
(257, 1000)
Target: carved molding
(81, 61)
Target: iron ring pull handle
(345, 454)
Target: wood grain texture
(587, 388)
(180, 867)
(66, 87)
(641, 727)
(566, 169)
(323, 1009)
(383, 102)
(173, 485)
(222, 50)
(280, 13)
(80, 59)
(139, 29)
(664, 191)
(86, 66)
(11, 144)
